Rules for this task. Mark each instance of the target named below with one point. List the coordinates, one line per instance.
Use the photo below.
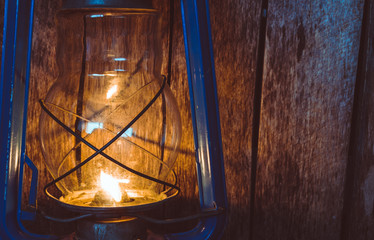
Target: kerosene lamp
(110, 127)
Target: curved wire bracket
(100, 151)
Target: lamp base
(125, 228)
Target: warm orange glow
(123, 180)
(111, 186)
(111, 91)
(132, 194)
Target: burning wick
(111, 191)
(111, 186)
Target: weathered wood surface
(174, 66)
(235, 28)
(43, 74)
(309, 75)
(358, 223)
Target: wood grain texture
(309, 74)
(235, 27)
(43, 74)
(164, 10)
(359, 206)
(185, 166)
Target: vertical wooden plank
(185, 166)
(174, 67)
(42, 75)
(359, 197)
(309, 74)
(235, 28)
(163, 6)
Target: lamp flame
(111, 91)
(111, 186)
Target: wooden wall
(309, 74)
(235, 27)
(314, 176)
(358, 221)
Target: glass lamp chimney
(109, 63)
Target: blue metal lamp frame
(14, 84)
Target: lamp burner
(125, 228)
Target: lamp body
(109, 70)
(205, 121)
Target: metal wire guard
(105, 210)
